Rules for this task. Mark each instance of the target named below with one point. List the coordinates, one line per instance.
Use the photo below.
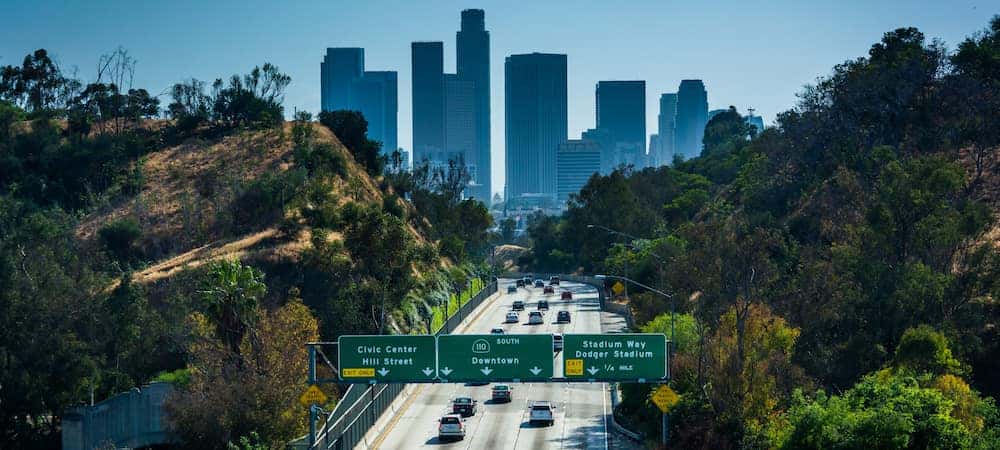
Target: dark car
(539, 283)
(501, 393)
(554, 281)
(548, 290)
(562, 317)
(464, 406)
(518, 305)
(520, 283)
(543, 305)
(566, 295)
(511, 289)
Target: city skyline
(664, 44)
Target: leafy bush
(119, 238)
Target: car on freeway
(548, 290)
(535, 318)
(500, 393)
(464, 406)
(542, 412)
(543, 305)
(511, 289)
(518, 305)
(513, 317)
(496, 331)
(539, 283)
(562, 317)
(451, 427)
(527, 281)
(519, 283)
(566, 295)
(554, 281)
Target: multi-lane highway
(582, 409)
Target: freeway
(582, 409)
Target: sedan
(566, 295)
(512, 289)
(539, 283)
(562, 317)
(501, 393)
(548, 290)
(513, 317)
(535, 318)
(496, 331)
(464, 406)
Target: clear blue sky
(750, 53)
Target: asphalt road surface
(582, 409)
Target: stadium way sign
(495, 357)
(387, 358)
(615, 357)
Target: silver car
(535, 318)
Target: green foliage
(352, 130)
(878, 412)
(180, 377)
(924, 350)
(119, 239)
(232, 292)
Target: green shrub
(119, 238)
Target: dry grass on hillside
(188, 190)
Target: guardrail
(366, 403)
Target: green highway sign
(386, 358)
(626, 356)
(495, 357)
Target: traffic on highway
(511, 415)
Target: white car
(513, 317)
(542, 413)
(451, 426)
(535, 318)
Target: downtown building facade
(621, 113)
(535, 95)
(576, 161)
(662, 153)
(692, 116)
(451, 112)
(345, 84)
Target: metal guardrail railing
(366, 403)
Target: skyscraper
(344, 84)
(692, 115)
(340, 67)
(621, 110)
(375, 95)
(473, 65)
(460, 123)
(536, 121)
(666, 123)
(576, 162)
(428, 100)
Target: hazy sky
(749, 53)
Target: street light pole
(670, 352)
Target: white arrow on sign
(383, 371)
(446, 371)
(427, 371)
(486, 370)
(593, 370)
(535, 370)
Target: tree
(231, 292)
(36, 85)
(226, 402)
(352, 130)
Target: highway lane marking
(406, 405)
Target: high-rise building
(340, 67)
(692, 116)
(654, 154)
(375, 95)
(576, 162)
(473, 65)
(428, 100)
(460, 122)
(536, 121)
(344, 84)
(621, 110)
(666, 123)
(756, 121)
